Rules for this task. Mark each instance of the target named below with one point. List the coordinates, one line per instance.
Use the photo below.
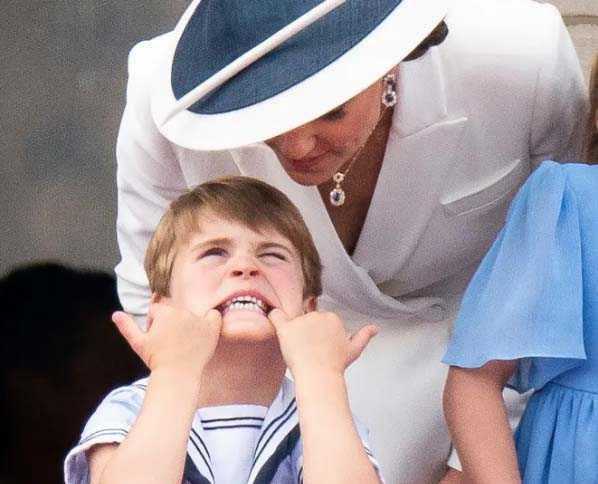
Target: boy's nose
(244, 267)
(245, 272)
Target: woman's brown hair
(592, 136)
(436, 37)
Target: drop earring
(389, 95)
(389, 99)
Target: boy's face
(242, 273)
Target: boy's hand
(175, 338)
(317, 341)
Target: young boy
(235, 277)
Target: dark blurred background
(62, 85)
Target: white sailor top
(274, 454)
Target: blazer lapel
(421, 151)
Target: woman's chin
(308, 178)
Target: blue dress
(534, 299)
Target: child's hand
(317, 341)
(175, 338)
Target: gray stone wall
(62, 84)
(581, 18)
(63, 81)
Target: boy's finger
(278, 317)
(360, 340)
(128, 328)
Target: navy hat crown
(237, 72)
(220, 31)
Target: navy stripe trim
(101, 433)
(191, 473)
(203, 444)
(282, 415)
(372, 458)
(300, 476)
(203, 457)
(248, 426)
(283, 451)
(231, 419)
(274, 433)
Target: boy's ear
(310, 304)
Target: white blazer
(475, 115)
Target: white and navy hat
(244, 71)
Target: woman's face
(312, 153)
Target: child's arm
(478, 423)
(317, 350)
(175, 348)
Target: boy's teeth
(247, 300)
(251, 306)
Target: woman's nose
(295, 144)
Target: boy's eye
(215, 251)
(276, 255)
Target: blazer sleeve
(525, 301)
(148, 179)
(561, 101)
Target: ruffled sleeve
(525, 301)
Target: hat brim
(359, 67)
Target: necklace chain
(337, 194)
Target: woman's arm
(317, 350)
(477, 420)
(149, 177)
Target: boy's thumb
(127, 326)
(360, 340)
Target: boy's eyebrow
(217, 241)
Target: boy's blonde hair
(244, 200)
(592, 138)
